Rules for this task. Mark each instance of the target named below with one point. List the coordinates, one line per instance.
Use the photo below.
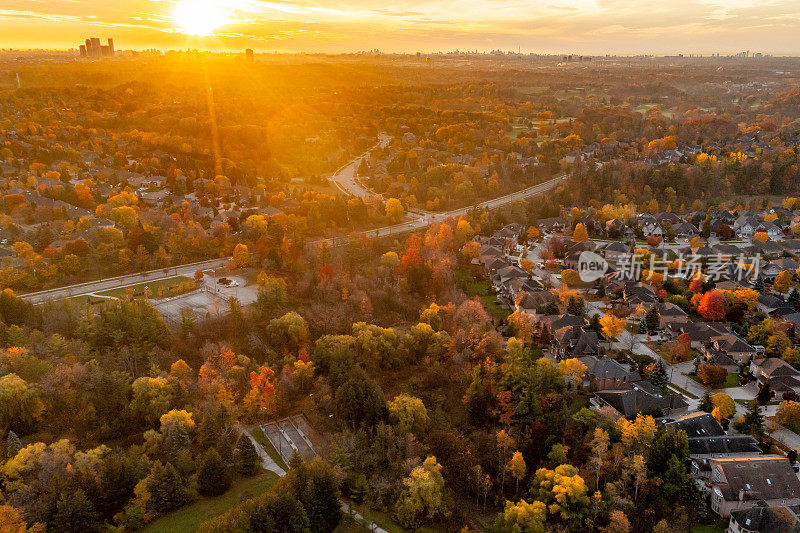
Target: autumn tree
(612, 326)
(724, 406)
(572, 370)
(782, 282)
(599, 450)
(788, 415)
(408, 414)
(522, 517)
(517, 467)
(422, 496)
(570, 277)
(563, 491)
(394, 209)
(580, 234)
(712, 305)
(241, 256)
(713, 376)
(261, 396)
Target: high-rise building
(97, 50)
(94, 49)
(248, 54)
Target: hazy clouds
(582, 26)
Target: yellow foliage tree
(241, 255)
(611, 325)
(572, 369)
(639, 432)
(724, 406)
(782, 281)
(580, 234)
(394, 209)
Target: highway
(90, 287)
(345, 180)
(423, 219)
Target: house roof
(605, 367)
(775, 366)
(725, 444)
(731, 342)
(699, 424)
(559, 321)
(636, 397)
(766, 477)
(761, 519)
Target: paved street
(80, 289)
(344, 178)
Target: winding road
(344, 178)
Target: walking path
(269, 464)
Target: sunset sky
(550, 26)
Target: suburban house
(685, 230)
(781, 375)
(576, 341)
(604, 373)
(700, 333)
(763, 519)
(733, 346)
(641, 396)
(770, 304)
(738, 483)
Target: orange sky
(557, 26)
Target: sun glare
(200, 17)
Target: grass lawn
(262, 439)
(324, 188)
(138, 289)
(731, 380)
(87, 299)
(682, 391)
(480, 287)
(718, 527)
(383, 520)
(189, 518)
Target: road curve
(422, 220)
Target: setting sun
(199, 17)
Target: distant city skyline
(592, 27)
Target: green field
(480, 287)
(138, 289)
(189, 518)
(731, 380)
(262, 439)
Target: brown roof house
(739, 483)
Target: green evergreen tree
(575, 306)
(659, 376)
(280, 512)
(213, 476)
(652, 318)
(705, 403)
(13, 444)
(74, 513)
(754, 420)
(118, 478)
(247, 461)
(167, 489)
